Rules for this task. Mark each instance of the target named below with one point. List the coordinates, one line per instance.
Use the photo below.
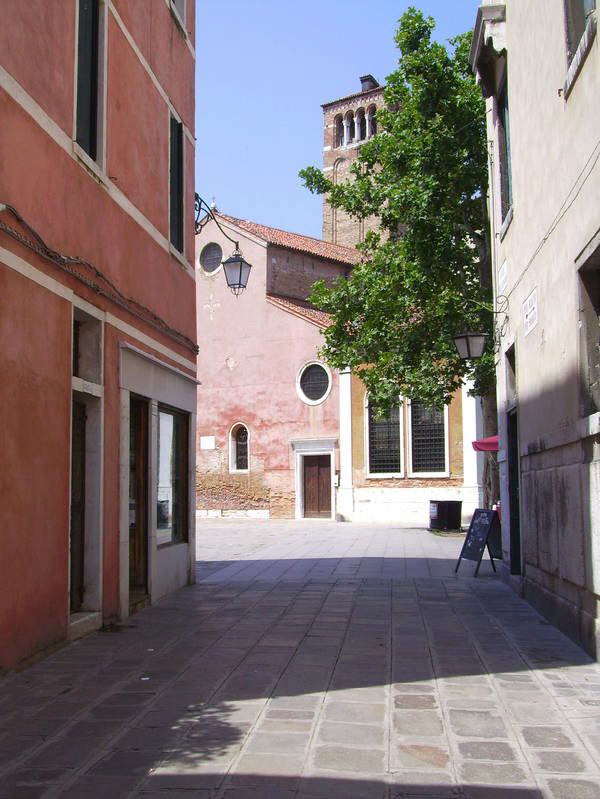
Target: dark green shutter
(176, 184)
(87, 77)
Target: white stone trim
(411, 473)
(312, 446)
(147, 68)
(345, 437)
(37, 113)
(132, 331)
(13, 261)
(472, 429)
(299, 391)
(384, 475)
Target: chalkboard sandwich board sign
(484, 531)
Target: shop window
(172, 476)
(428, 440)
(384, 441)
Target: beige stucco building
(539, 67)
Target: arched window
(238, 449)
(339, 131)
(361, 124)
(349, 128)
(371, 121)
(384, 441)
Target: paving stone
(477, 724)
(419, 756)
(559, 761)
(486, 750)
(493, 773)
(414, 701)
(344, 758)
(574, 789)
(424, 723)
(95, 787)
(546, 738)
(351, 734)
(277, 743)
(354, 712)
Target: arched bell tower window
(339, 131)
(349, 128)
(361, 122)
(239, 448)
(371, 121)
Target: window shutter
(176, 184)
(87, 77)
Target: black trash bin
(445, 514)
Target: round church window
(211, 257)
(314, 383)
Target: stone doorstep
(81, 624)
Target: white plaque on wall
(530, 312)
(207, 442)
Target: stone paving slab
(312, 661)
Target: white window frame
(384, 475)
(301, 393)
(411, 473)
(233, 449)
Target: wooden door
(138, 496)
(77, 536)
(317, 487)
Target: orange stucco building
(97, 316)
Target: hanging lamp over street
(236, 268)
(470, 345)
(237, 271)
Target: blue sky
(264, 67)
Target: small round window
(211, 257)
(314, 383)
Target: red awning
(486, 444)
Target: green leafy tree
(426, 275)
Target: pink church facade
(268, 434)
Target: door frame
(513, 457)
(312, 446)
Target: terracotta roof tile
(301, 308)
(295, 241)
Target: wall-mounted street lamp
(236, 268)
(470, 345)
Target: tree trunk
(491, 479)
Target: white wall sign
(207, 442)
(530, 312)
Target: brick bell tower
(348, 122)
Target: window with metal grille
(176, 184)
(314, 382)
(241, 448)
(385, 441)
(211, 257)
(428, 439)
